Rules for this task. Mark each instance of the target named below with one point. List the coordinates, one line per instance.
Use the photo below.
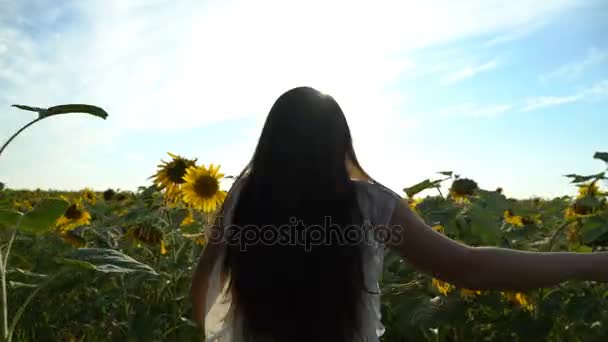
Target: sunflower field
(116, 265)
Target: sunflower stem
(18, 132)
(4, 298)
(556, 234)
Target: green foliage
(119, 286)
(106, 260)
(9, 218)
(43, 216)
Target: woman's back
(376, 205)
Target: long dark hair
(299, 177)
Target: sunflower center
(206, 186)
(177, 171)
(73, 213)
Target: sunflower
(443, 287)
(71, 237)
(202, 188)
(514, 220)
(145, 234)
(108, 194)
(88, 195)
(73, 217)
(591, 190)
(468, 293)
(171, 175)
(23, 206)
(520, 299)
(462, 188)
(413, 202)
(583, 206)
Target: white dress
(377, 204)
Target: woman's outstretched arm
(484, 268)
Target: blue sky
(509, 93)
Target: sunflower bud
(108, 194)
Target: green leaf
(78, 108)
(43, 216)
(177, 216)
(27, 273)
(65, 109)
(446, 173)
(484, 225)
(17, 284)
(582, 179)
(106, 260)
(601, 156)
(584, 249)
(426, 184)
(493, 201)
(9, 218)
(593, 229)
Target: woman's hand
(488, 267)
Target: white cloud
(473, 110)
(469, 72)
(515, 34)
(575, 69)
(597, 91)
(549, 101)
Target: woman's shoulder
(375, 192)
(376, 201)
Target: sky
(512, 94)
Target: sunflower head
(463, 187)
(589, 190)
(23, 206)
(73, 217)
(202, 188)
(73, 238)
(121, 196)
(585, 205)
(145, 234)
(443, 287)
(88, 195)
(469, 294)
(171, 175)
(108, 194)
(514, 220)
(520, 299)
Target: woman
(298, 248)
